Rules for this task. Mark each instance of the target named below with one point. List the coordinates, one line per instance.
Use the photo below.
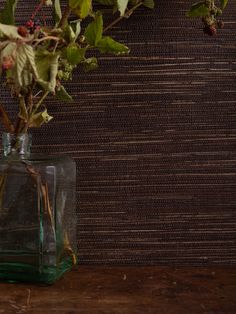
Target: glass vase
(37, 213)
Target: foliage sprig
(209, 11)
(36, 59)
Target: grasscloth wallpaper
(153, 135)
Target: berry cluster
(211, 23)
(211, 30)
(33, 25)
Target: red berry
(29, 24)
(209, 30)
(23, 31)
(33, 25)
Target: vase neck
(17, 144)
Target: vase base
(17, 272)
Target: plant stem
(38, 41)
(127, 14)
(40, 102)
(37, 9)
(65, 17)
(5, 120)
(26, 126)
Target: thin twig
(126, 15)
(40, 102)
(38, 41)
(37, 9)
(65, 17)
(6, 120)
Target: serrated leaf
(21, 63)
(74, 54)
(122, 5)
(27, 78)
(8, 50)
(57, 11)
(93, 32)
(39, 118)
(48, 68)
(7, 15)
(149, 4)
(199, 9)
(9, 31)
(43, 62)
(25, 65)
(90, 64)
(62, 94)
(30, 54)
(107, 44)
(223, 3)
(81, 7)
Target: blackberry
(29, 24)
(209, 30)
(33, 25)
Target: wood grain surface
(127, 290)
(153, 135)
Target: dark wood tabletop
(127, 290)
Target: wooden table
(126, 290)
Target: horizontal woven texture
(153, 135)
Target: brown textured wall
(153, 134)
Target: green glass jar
(37, 213)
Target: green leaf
(47, 66)
(199, 9)
(30, 54)
(107, 44)
(69, 34)
(7, 15)
(25, 67)
(57, 11)
(43, 63)
(81, 7)
(93, 32)
(223, 3)
(39, 118)
(8, 50)
(76, 28)
(74, 54)
(21, 63)
(122, 5)
(90, 64)
(149, 4)
(27, 78)
(62, 94)
(9, 31)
